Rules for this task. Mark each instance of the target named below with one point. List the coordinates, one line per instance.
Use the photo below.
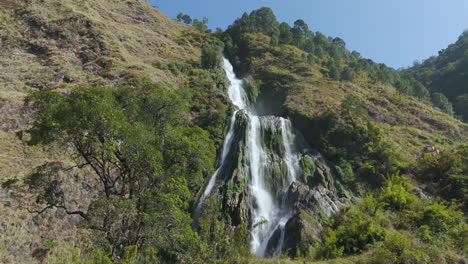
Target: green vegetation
(353, 143)
(330, 54)
(149, 165)
(445, 74)
(447, 174)
(211, 54)
(134, 115)
(397, 227)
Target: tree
(446, 173)
(441, 101)
(403, 87)
(396, 193)
(419, 90)
(309, 45)
(348, 74)
(334, 71)
(211, 54)
(300, 33)
(285, 36)
(201, 25)
(264, 21)
(339, 43)
(136, 141)
(461, 106)
(184, 18)
(320, 40)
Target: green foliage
(460, 106)
(181, 17)
(396, 193)
(146, 160)
(429, 229)
(201, 25)
(437, 218)
(446, 174)
(130, 255)
(208, 104)
(229, 244)
(348, 74)
(211, 54)
(445, 74)
(352, 233)
(47, 181)
(420, 91)
(251, 89)
(442, 102)
(285, 35)
(300, 33)
(403, 87)
(399, 249)
(353, 143)
(258, 21)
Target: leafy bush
(442, 102)
(352, 232)
(211, 54)
(397, 248)
(446, 174)
(396, 193)
(431, 230)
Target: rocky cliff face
(300, 184)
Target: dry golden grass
(63, 44)
(409, 123)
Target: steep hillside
(288, 84)
(62, 45)
(446, 73)
(112, 115)
(370, 124)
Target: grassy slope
(410, 124)
(66, 44)
(407, 122)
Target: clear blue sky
(395, 32)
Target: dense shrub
(430, 228)
(396, 193)
(352, 232)
(446, 174)
(211, 54)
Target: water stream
(273, 164)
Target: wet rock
(319, 200)
(310, 206)
(273, 243)
(239, 207)
(302, 231)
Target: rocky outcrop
(310, 199)
(311, 203)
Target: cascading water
(224, 152)
(272, 153)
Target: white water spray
(268, 182)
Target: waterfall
(273, 157)
(224, 152)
